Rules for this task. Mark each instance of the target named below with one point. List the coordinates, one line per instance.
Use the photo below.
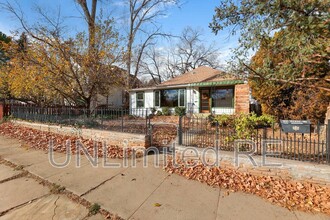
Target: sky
(193, 13)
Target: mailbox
(296, 126)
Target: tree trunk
(327, 117)
(88, 106)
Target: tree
(190, 51)
(143, 13)
(75, 68)
(282, 99)
(27, 80)
(4, 46)
(153, 65)
(292, 36)
(4, 41)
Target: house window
(182, 97)
(140, 99)
(157, 98)
(172, 97)
(223, 98)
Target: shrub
(246, 124)
(225, 120)
(159, 113)
(265, 121)
(166, 111)
(180, 111)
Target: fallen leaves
(157, 204)
(41, 139)
(287, 193)
(163, 134)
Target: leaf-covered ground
(40, 140)
(287, 193)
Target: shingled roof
(199, 74)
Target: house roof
(201, 76)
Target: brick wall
(242, 101)
(1, 111)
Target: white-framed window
(170, 98)
(182, 94)
(140, 99)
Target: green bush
(180, 111)
(244, 124)
(166, 111)
(159, 113)
(265, 120)
(224, 120)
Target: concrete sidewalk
(130, 192)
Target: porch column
(242, 98)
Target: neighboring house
(202, 90)
(116, 97)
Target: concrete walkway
(130, 192)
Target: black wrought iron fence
(313, 147)
(133, 120)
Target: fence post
(122, 119)
(217, 136)
(264, 133)
(69, 114)
(328, 141)
(147, 128)
(180, 130)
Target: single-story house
(202, 90)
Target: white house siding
(148, 103)
(149, 99)
(192, 99)
(132, 100)
(192, 102)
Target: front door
(205, 100)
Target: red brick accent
(242, 101)
(1, 111)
